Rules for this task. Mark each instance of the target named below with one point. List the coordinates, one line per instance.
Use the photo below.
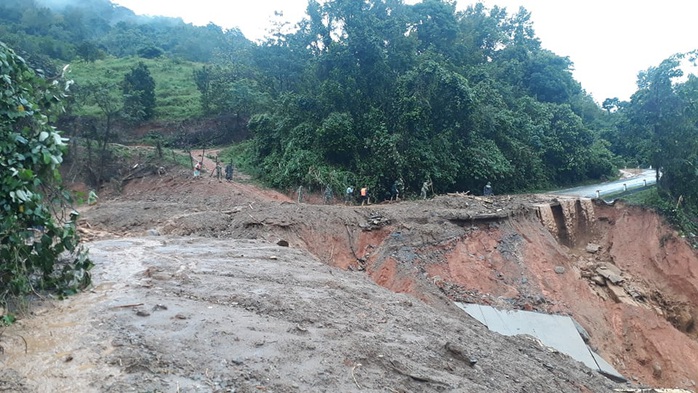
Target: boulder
(593, 248)
(610, 272)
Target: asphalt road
(646, 178)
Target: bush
(39, 245)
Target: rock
(619, 295)
(560, 269)
(656, 370)
(153, 232)
(682, 320)
(282, 243)
(142, 313)
(610, 272)
(458, 352)
(593, 248)
(598, 280)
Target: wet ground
(193, 293)
(190, 314)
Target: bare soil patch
(194, 293)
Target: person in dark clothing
(395, 191)
(487, 191)
(229, 172)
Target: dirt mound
(621, 272)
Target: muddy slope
(527, 251)
(203, 315)
(620, 272)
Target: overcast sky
(609, 41)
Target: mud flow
(201, 286)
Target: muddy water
(59, 349)
(98, 340)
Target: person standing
(328, 194)
(425, 188)
(219, 172)
(364, 196)
(229, 172)
(349, 195)
(395, 191)
(197, 169)
(487, 191)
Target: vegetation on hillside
(38, 241)
(367, 92)
(659, 126)
(176, 95)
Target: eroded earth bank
(202, 286)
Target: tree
(39, 245)
(611, 104)
(88, 51)
(659, 126)
(150, 52)
(385, 90)
(105, 96)
(139, 93)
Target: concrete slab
(555, 331)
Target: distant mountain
(46, 31)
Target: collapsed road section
(555, 331)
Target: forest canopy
(368, 92)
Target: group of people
(395, 191)
(217, 171)
(349, 196)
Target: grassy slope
(176, 95)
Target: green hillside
(176, 95)
(367, 92)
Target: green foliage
(150, 52)
(659, 126)
(337, 141)
(392, 91)
(59, 31)
(89, 51)
(224, 91)
(176, 95)
(372, 90)
(138, 87)
(7, 319)
(39, 246)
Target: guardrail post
(598, 193)
(645, 180)
(625, 187)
